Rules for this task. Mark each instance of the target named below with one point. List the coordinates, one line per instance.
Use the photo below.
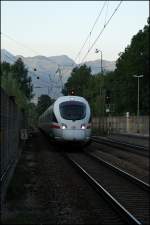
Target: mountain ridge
(47, 69)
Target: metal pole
(101, 94)
(138, 101)
(138, 109)
(97, 51)
(101, 91)
(101, 63)
(101, 113)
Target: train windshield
(72, 110)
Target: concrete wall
(122, 124)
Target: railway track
(140, 150)
(132, 178)
(128, 195)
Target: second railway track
(130, 198)
(140, 150)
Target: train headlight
(83, 127)
(63, 126)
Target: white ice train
(68, 119)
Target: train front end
(74, 117)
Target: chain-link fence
(12, 120)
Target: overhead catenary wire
(106, 12)
(31, 72)
(89, 35)
(26, 47)
(13, 61)
(101, 31)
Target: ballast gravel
(46, 189)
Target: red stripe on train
(55, 126)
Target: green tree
(20, 73)
(134, 60)
(32, 114)
(78, 81)
(12, 86)
(5, 69)
(44, 102)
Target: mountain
(62, 60)
(96, 66)
(50, 77)
(7, 56)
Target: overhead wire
(101, 31)
(89, 35)
(13, 61)
(106, 12)
(26, 47)
(31, 72)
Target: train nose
(73, 135)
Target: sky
(52, 28)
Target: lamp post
(138, 100)
(101, 90)
(97, 51)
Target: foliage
(133, 61)
(44, 102)
(12, 88)
(15, 81)
(20, 73)
(10, 85)
(32, 114)
(86, 85)
(121, 84)
(78, 81)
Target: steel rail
(123, 212)
(132, 178)
(122, 145)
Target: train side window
(54, 118)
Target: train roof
(70, 97)
(65, 98)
